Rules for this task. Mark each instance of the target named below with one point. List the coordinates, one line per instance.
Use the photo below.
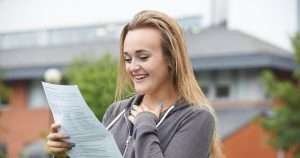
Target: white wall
(244, 84)
(248, 85)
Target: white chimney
(219, 11)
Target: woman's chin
(140, 91)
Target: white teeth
(140, 77)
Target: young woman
(169, 117)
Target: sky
(270, 20)
(18, 15)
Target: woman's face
(144, 60)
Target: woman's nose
(134, 66)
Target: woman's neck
(166, 97)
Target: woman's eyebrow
(137, 52)
(142, 51)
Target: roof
(218, 47)
(54, 55)
(219, 40)
(31, 63)
(212, 49)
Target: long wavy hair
(180, 67)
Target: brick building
(227, 63)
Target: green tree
(2, 154)
(96, 78)
(284, 123)
(4, 94)
(4, 90)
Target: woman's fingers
(54, 127)
(58, 147)
(57, 151)
(153, 109)
(57, 142)
(138, 109)
(61, 144)
(134, 112)
(57, 136)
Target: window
(4, 94)
(3, 102)
(2, 150)
(222, 91)
(18, 40)
(36, 95)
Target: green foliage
(284, 123)
(4, 90)
(2, 151)
(96, 79)
(2, 155)
(296, 45)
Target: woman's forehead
(142, 39)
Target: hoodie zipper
(126, 146)
(128, 138)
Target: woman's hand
(57, 142)
(143, 108)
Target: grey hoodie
(185, 132)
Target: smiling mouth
(138, 78)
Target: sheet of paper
(70, 110)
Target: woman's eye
(144, 57)
(127, 60)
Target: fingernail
(72, 145)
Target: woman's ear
(170, 66)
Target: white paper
(70, 110)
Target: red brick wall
(249, 142)
(19, 124)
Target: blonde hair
(175, 52)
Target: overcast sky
(37, 14)
(270, 20)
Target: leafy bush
(284, 123)
(96, 78)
